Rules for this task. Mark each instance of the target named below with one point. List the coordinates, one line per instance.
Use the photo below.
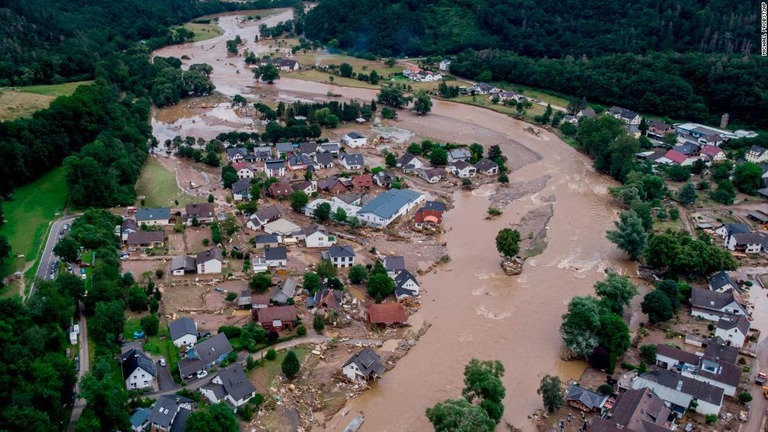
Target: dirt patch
(514, 191)
(176, 245)
(139, 267)
(533, 230)
(193, 239)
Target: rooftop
(390, 202)
(387, 313)
(181, 327)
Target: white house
(241, 190)
(487, 167)
(183, 332)
(409, 162)
(340, 256)
(445, 65)
(283, 228)
(274, 168)
(711, 305)
(209, 262)
(315, 237)
(406, 285)
(733, 329)
(459, 154)
(153, 216)
(276, 256)
(700, 367)
(463, 169)
(751, 242)
(183, 264)
(243, 170)
(230, 385)
(335, 203)
(352, 161)
(679, 391)
(756, 154)
(722, 282)
(627, 116)
(363, 366)
(385, 208)
(730, 229)
(431, 175)
(138, 370)
(354, 140)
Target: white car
(162, 362)
(202, 374)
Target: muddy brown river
(475, 310)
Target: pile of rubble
(512, 266)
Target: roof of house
(355, 135)
(280, 189)
(730, 322)
(725, 373)
(212, 348)
(341, 251)
(282, 226)
(588, 112)
(140, 416)
(183, 262)
(622, 112)
(400, 280)
(710, 150)
(231, 152)
(713, 300)
(330, 146)
(636, 409)
(485, 164)
(134, 359)
(659, 125)
(589, 398)
(362, 180)
(129, 224)
(387, 313)
(676, 157)
(687, 148)
(749, 238)
(284, 147)
(165, 409)
(209, 255)
(734, 228)
(720, 280)
(757, 150)
(266, 239)
(406, 159)
(275, 313)
(180, 422)
(308, 147)
(324, 158)
(182, 327)
(239, 165)
(461, 165)
(276, 253)
(353, 158)
(349, 198)
(281, 293)
(367, 362)
(144, 237)
(390, 202)
(758, 216)
(201, 210)
(677, 354)
(150, 214)
(718, 350)
(429, 216)
(460, 153)
(394, 263)
(268, 213)
(235, 382)
(262, 150)
(329, 183)
(434, 205)
(301, 185)
(274, 164)
(438, 172)
(241, 187)
(299, 160)
(384, 177)
(697, 389)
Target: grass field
(159, 186)
(28, 215)
(482, 101)
(21, 102)
(161, 344)
(204, 31)
(532, 93)
(266, 374)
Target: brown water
(475, 310)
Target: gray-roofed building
(153, 216)
(635, 411)
(687, 148)
(750, 242)
(183, 264)
(308, 148)
(128, 226)
(262, 152)
(284, 148)
(722, 282)
(679, 391)
(285, 291)
(734, 329)
(323, 160)
(166, 410)
(329, 147)
(459, 154)
(487, 167)
(711, 305)
(276, 256)
(237, 154)
(363, 366)
(146, 239)
(274, 168)
(730, 229)
(276, 317)
(266, 240)
(717, 349)
(434, 205)
(583, 399)
(209, 262)
(263, 216)
(670, 358)
(139, 371)
(409, 162)
(203, 212)
(756, 154)
(241, 190)
(384, 179)
(299, 161)
(180, 422)
(385, 208)
(139, 419)
(406, 285)
(700, 367)
(230, 385)
(352, 160)
(587, 112)
(758, 216)
(628, 116)
(183, 332)
(354, 139)
(394, 264)
(204, 355)
(340, 256)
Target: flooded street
(475, 310)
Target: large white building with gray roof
(390, 205)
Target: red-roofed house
(428, 217)
(243, 170)
(387, 314)
(713, 153)
(362, 181)
(677, 158)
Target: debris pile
(512, 266)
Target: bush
(231, 331)
(258, 399)
(272, 336)
(150, 324)
(648, 354)
(318, 323)
(606, 389)
(711, 418)
(245, 412)
(301, 330)
(493, 211)
(271, 354)
(230, 297)
(745, 397)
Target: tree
(678, 173)
(568, 129)
(150, 324)
(392, 95)
(630, 235)
(340, 215)
(318, 323)
(67, 248)
(414, 149)
(299, 200)
(326, 269)
(374, 77)
(438, 156)
(657, 306)
(212, 159)
(721, 171)
(229, 176)
(108, 322)
(358, 274)
(508, 242)
(215, 418)
(458, 415)
(669, 139)
(648, 354)
(687, 194)
(422, 104)
(724, 194)
(380, 286)
(615, 292)
(267, 73)
(322, 212)
(551, 391)
(391, 160)
(494, 153)
(483, 386)
(614, 337)
(106, 397)
(260, 282)
(290, 365)
(477, 152)
(345, 70)
(581, 325)
(671, 289)
(748, 178)
(137, 299)
(311, 282)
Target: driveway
(165, 381)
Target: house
(153, 216)
(139, 418)
(406, 285)
(730, 229)
(244, 171)
(335, 203)
(722, 282)
(354, 140)
(385, 208)
(426, 217)
(362, 181)
(323, 160)
(463, 169)
(183, 264)
(263, 216)
(583, 399)
(758, 216)
(274, 168)
(572, 119)
(432, 175)
(586, 113)
(659, 129)
(504, 96)
(434, 205)
(146, 239)
(299, 161)
(284, 292)
(209, 262)
(352, 161)
(385, 314)
(236, 154)
(282, 227)
(334, 185)
(259, 264)
(262, 153)
(678, 391)
(702, 134)
(625, 115)
(675, 359)
(751, 242)
(340, 256)
(170, 413)
(459, 154)
(308, 148)
(676, 158)
(276, 317)
(350, 199)
(276, 256)
(329, 147)
(756, 154)
(363, 366)
(230, 385)
(394, 264)
(384, 179)
(127, 227)
(283, 149)
(183, 332)
(445, 65)
(733, 329)
(326, 299)
(487, 167)
(633, 130)
(241, 190)
(280, 190)
(482, 88)
(205, 354)
(712, 370)
(306, 186)
(287, 65)
(244, 299)
(139, 371)
(687, 148)
(316, 237)
(205, 213)
(409, 162)
(260, 301)
(711, 305)
(713, 153)
(639, 410)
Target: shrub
(745, 397)
(711, 418)
(648, 354)
(231, 331)
(272, 336)
(271, 354)
(230, 297)
(606, 389)
(318, 324)
(493, 211)
(301, 330)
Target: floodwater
(475, 310)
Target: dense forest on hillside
(699, 56)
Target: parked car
(161, 362)
(202, 374)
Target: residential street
(43, 271)
(85, 365)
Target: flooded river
(475, 310)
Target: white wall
(187, 340)
(734, 336)
(210, 267)
(139, 379)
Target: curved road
(43, 270)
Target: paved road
(85, 365)
(43, 271)
(759, 403)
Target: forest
(685, 59)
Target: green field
(482, 101)
(553, 98)
(160, 344)
(54, 90)
(204, 31)
(19, 102)
(266, 374)
(159, 186)
(28, 216)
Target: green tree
(318, 323)
(374, 77)
(322, 212)
(137, 299)
(414, 149)
(299, 200)
(67, 248)
(150, 324)
(483, 386)
(615, 292)
(687, 194)
(724, 194)
(229, 176)
(477, 152)
(267, 73)
(630, 234)
(311, 282)
(438, 156)
(721, 171)
(326, 269)
(212, 159)
(105, 396)
(551, 391)
(748, 178)
(508, 242)
(678, 173)
(657, 306)
(358, 274)
(391, 160)
(340, 215)
(290, 365)
(260, 282)
(380, 286)
(614, 337)
(672, 290)
(581, 325)
(107, 322)
(458, 415)
(271, 354)
(345, 70)
(648, 354)
(392, 95)
(210, 200)
(422, 104)
(215, 418)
